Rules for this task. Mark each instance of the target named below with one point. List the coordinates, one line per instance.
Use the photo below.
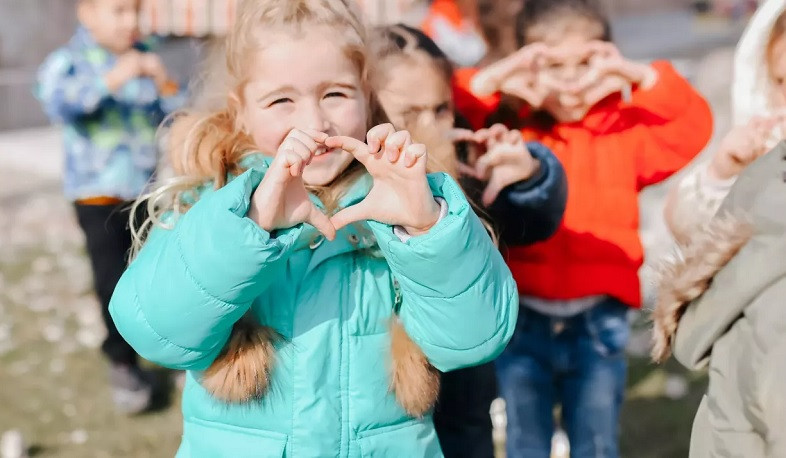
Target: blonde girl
(310, 277)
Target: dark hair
(404, 40)
(539, 11)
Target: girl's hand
(281, 200)
(507, 160)
(741, 146)
(611, 73)
(400, 195)
(516, 75)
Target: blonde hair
(205, 144)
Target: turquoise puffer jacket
(332, 303)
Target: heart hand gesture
(400, 195)
(281, 200)
(507, 160)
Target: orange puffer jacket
(615, 151)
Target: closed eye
(335, 94)
(280, 101)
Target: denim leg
(527, 385)
(592, 393)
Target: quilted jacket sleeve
(674, 124)
(177, 302)
(459, 300)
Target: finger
(466, 170)
(498, 133)
(461, 135)
(351, 145)
(349, 215)
(523, 89)
(514, 137)
(395, 144)
(294, 162)
(489, 80)
(313, 139)
(298, 147)
(491, 192)
(601, 49)
(377, 135)
(413, 153)
(482, 136)
(487, 162)
(322, 223)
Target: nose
(313, 117)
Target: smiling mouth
(324, 152)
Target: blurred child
(523, 192)
(299, 273)
(720, 306)
(616, 126)
(110, 95)
(759, 114)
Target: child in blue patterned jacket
(110, 94)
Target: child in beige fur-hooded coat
(722, 305)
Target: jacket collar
(354, 237)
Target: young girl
(720, 306)
(523, 192)
(616, 126)
(316, 283)
(759, 114)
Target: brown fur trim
(684, 278)
(414, 380)
(242, 370)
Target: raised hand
(400, 195)
(281, 200)
(610, 73)
(507, 160)
(516, 74)
(743, 145)
(153, 67)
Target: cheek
(267, 130)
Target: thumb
(322, 223)
(349, 215)
(491, 192)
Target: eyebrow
(341, 84)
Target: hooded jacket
(721, 306)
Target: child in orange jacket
(616, 126)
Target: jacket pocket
(202, 438)
(413, 439)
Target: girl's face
(567, 63)
(304, 82)
(778, 69)
(415, 91)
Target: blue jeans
(578, 362)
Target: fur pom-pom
(413, 379)
(685, 277)
(242, 371)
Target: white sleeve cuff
(404, 236)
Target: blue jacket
(109, 137)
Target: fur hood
(725, 266)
